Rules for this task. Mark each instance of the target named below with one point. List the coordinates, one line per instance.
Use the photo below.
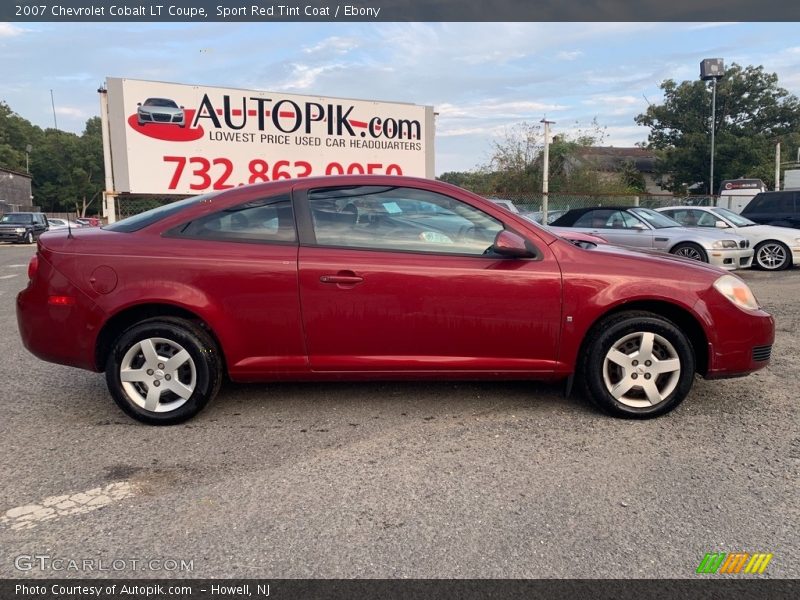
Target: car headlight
(19, 230)
(737, 291)
(724, 244)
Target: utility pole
(546, 168)
(713, 69)
(777, 167)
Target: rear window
(142, 220)
(773, 203)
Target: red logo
(169, 132)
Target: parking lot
(413, 480)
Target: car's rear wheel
(637, 365)
(772, 256)
(163, 371)
(692, 251)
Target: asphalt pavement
(412, 480)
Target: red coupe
(370, 278)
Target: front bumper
(12, 236)
(795, 255)
(731, 259)
(739, 341)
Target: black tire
(691, 251)
(200, 374)
(772, 255)
(598, 375)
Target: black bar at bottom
(707, 587)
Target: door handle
(346, 278)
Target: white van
(735, 194)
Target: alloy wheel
(158, 374)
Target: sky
(482, 78)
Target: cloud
(569, 55)
(71, 112)
(8, 30)
(334, 45)
(699, 26)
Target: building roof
(16, 173)
(609, 158)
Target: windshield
(137, 222)
(737, 220)
(655, 219)
(160, 102)
(12, 218)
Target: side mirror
(721, 225)
(138, 104)
(181, 106)
(512, 245)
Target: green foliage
(515, 167)
(67, 169)
(753, 113)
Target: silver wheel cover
(641, 369)
(158, 375)
(771, 256)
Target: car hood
(699, 233)
(656, 257)
(785, 234)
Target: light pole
(546, 168)
(713, 69)
(28, 149)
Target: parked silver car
(775, 248)
(644, 228)
(160, 110)
(56, 223)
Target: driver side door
(390, 284)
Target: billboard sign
(168, 138)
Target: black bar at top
(398, 10)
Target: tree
(67, 169)
(515, 167)
(753, 113)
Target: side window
(265, 220)
(401, 219)
(705, 219)
(596, 218)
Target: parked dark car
(22, 227)
(775, 208)
(332, 278)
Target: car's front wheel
(29, 237)
(692, 251)
(637, 365)
(163, 371)
(772, 256)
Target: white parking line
(54, 507)
(16, 266)
(7, 276)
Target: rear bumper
(61, 334)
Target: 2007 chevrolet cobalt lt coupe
(368, 277)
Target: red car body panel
(301, 311)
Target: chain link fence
(128, 206)
(558, 203)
